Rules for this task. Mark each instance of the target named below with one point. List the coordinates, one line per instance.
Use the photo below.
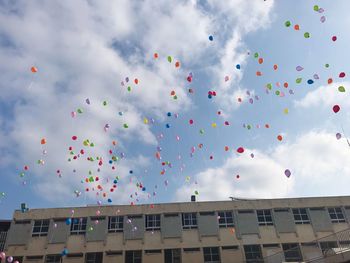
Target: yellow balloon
(286, 111)
(145, 120)
(213, 125)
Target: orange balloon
(177, 64)
(226, 148)
(258, 73)
(285, 84)
(136, 81)
(114, 143)
(34, 69)
(279, 137)
(296, 27)
(267, 126)
(330, 81)
(261, 60)
(43, 141)
(275, 67)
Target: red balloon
(191, 121)
(336, 108)
(240, 150)
(341, 74)
(74, 138)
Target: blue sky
(84, 50)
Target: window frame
(56, 258)
(336, 212)
(292, 248)
(225, 218)
(40, 227)
(192, 218)
(139, 257)
(152, 222)
(258, 252)
(82, 224)
(208, 252)
(264, 214)
(118, 225)
(95, 258)
(299, 213)
(174, 258)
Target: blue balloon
(310, 81)
(64, 252)
(238, 66)
(68, 221)
(169, 114)
(167, 125)
(143, 188)
(211, 38)
(109, 200)
(210, 96)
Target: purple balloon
(251, 101)
(323, 19)
(287, 173)
(338, 136)
(299, 68)
(316, 76)
(321, 10)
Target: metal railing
(333, 248)
(3, 236)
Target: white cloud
(319, 164)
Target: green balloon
(277, 92)
(125, 126)
(170, 59)
(287, 23)
(298, 80)
(201, 131)
(175, 97)
(105, 103)
(316, 8)
(307, 35)
(80, 111)
(341, 89)
(129, 88)
(269, 86)
(249, 127)
(256, 55)
(326, 65)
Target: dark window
(133, 256)
(115, 224)
(292, 252)
(172, 255)
(114, 253)
(152, 222)
(264, 217)
(229, 247)
(53, 259)
(153, 251)
(245, 212)
(211, 254)
(300, 216)
(207, 213)
(271, 245)
(94, 257)
(336, 215)
(34, 257)
(40, 228)
(75, 255)
(225, 219)
(327, 247)
(253, 253)
(18, 258)
(78, 226)
(189, 220)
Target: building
(4, 227)
(266, 230)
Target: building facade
(266, 230)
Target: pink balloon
(2, 255)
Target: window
(153, 251)
(271, 245)
(34, 257)
(19, 259)
(115, 224)
(336, 215)
(114, 253)
(225, 219)
(78, 226)
(189, 220)
(133, 256)
(327, 246)
(292, 252)
(264, 217)
(152, 222)
(172, 255)
(53, 259)
(300, 216)
(94, 257)
(40, 228)
(192, 249)
(211, 254)
(229, 247)
(253, 253)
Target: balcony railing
(334, 248)
(3, 236)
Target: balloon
(287, 23)
(126, 126)
(310, 81)
(34, 69)
(155, 55)
(336, 108)
(341, 89)
(334, 38)
(298, 80)
(238, 66)
(74, 138)
(287, 173)
(167, 125)
(237, 176)
(296, 27)
(256, 55)
(285, 111)
(227, 78)
(275, 67)
(73, 114)
(169, 114)
(258, 73)
(177, 64)
(191, 122)
(213, 125)
(68, 221)
(158, 156)
(316, 8)
(87, 101)
(279, 137)
(341, 74)
(43, 141)
(240, 150)
(226, 148)
(338, 136)
(64, 252)
(170, 59)
(261, 60)
(323, 19)
(2, 255)
(326, 65)
(299, 68)
(211, 38)
(316, 76)
(10, 259)
(307, 35)
(330, 81)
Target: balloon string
(345, 135)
